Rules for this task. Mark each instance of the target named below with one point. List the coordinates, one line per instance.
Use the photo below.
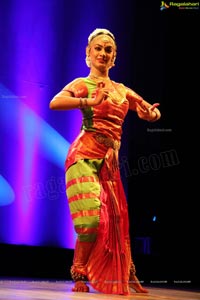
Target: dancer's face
(101, 52)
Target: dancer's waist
(107, 141)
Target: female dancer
(98, 206)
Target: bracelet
(83, 102)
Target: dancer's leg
(83, 192)
(78, 270)
(134, 283)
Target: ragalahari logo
(179, 5)
(164, 5)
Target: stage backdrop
(42, 49)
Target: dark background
(158, 56)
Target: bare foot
(80, 286)
(135, 284)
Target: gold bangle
(83, 102)
(80, 103)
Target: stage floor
(61, 290)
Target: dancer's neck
(96, 77)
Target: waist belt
(107, 141)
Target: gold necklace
(116, 95)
